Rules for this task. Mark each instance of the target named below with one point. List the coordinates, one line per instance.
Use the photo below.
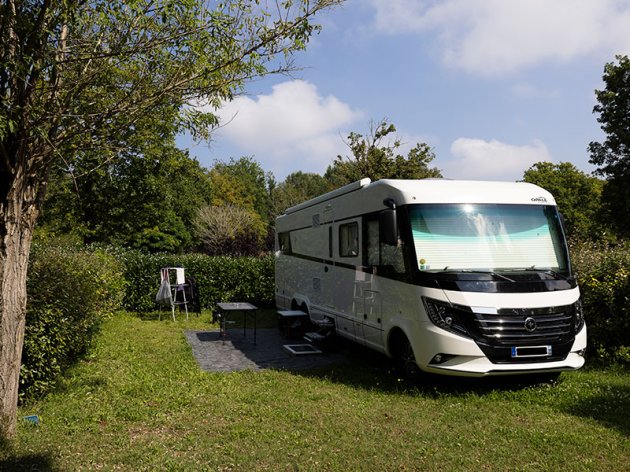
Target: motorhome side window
(349, 240)
(284, 242)
(381, 254)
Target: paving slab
(238, 352)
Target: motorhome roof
(359, 184)
(465, 191)
(441, 191)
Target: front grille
(497, 334)
(508, 328)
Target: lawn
(139, 402)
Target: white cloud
(492, 37)
(292, 124)
(477, 159)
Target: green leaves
(71, 291)
(604, 276)
(578, 195)
(82, 74)
(612, 156)
(376, 158)
(145, 198)
(219, 279)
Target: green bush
(221, 278)
(70, 291)
(604, 276)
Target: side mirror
(388, 227)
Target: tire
(406, 361)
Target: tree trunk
(18, 212)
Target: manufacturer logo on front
(530, 324)
(539, 199)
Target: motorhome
(452, 277)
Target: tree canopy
(612, 156)
(577, 194)
(145, 198)
(372, 156)
(241, 182)
(298, 187)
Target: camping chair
(172, 289)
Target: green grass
(140, 403)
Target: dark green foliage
(70, 291)
(242, 182)
(612, 156)
(298, 187)
(604, 277)
(577, 194)
(219, 279)
(77, 78)
(144, 198)
(376, 158)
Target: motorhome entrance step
(324, 322)
(315, 337)
(301, 349)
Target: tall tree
(577, 194)
(613, 155)
(297, 188)
(241, 182)
(77, 75)
(375, 158)
(145, 198)
(239, 187)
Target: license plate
(531, 351)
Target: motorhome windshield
(485, 237)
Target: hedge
(70, 291)
(218, 279)
(604, 276)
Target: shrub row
(70, 291)
(603, 274)
(604, 277)
(218, 279)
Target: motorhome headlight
(446, 316)
(579, 316)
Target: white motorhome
(452, 277)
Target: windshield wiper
(475, 271)
(551, 272)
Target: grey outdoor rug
(238, 352)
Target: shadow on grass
(601, 401)
(67, 384)
(27, 462)
(370, 370)
(39, 462)
(611, 408)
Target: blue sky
(493, 86)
